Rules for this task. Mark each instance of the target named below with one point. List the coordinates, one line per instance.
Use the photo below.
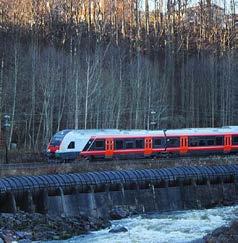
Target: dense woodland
(110, 63)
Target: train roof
(114, 132)
(170, 132)
(204, 131)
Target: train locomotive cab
(55, 143)
(67, 145)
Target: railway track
(51, 163)
(54, 167)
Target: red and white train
(111, 143)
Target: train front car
(55, 144)
(67, 145)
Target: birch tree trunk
(33, 97)
(76, 101)
(15, 78)
(1, 90)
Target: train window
(56, 140)
(71, 145)
(193, 141)
(130, 144)
(119, 144)
(219, 141)
(202, 142)
(235, 140)
(210, 142)
(173, 142)
(58, 137)
(99, 145)
(205, 141)
(88, 145)
(139, 143)
(157, 142)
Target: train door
(183, 144)
(227, 143)
(109, 147)
(148, 146)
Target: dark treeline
(109, 63)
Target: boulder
(118, 229)
(7, 236)
(219, 231)
(119, 213)
(23, 235)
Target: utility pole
(153, 123)
(6, 126)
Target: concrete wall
(145, 200)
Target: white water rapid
(180, 226)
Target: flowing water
(180, 226)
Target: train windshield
(58, 137)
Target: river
(180, 226)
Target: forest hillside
(116, 64)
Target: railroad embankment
(39, 168)
(20, 156)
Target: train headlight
(48, 150)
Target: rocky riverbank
(25, 227)
(223, 234)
